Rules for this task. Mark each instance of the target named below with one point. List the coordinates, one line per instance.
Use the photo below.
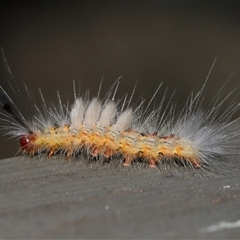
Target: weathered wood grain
(42, 198)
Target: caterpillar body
(112, 128)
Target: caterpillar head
(27, 143)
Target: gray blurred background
(50, 44)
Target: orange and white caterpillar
(109, 128)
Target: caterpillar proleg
(116, 128)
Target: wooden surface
(42, 198)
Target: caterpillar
(108, 128)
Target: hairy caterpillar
(110, 128)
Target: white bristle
(77, 113)
(108, 114)
(124, 120)
(92, 112)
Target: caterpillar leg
(127, 161)
(152, 163)
(106, 153)
(196, 162)
(51, 152)
(68, 154)
(95, 152)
